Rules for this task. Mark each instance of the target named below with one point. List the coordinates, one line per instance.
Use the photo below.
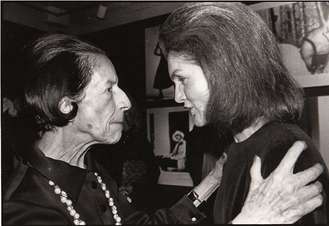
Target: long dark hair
(240, 59)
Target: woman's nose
(179, 94)
(124, 102)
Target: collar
(247, 132)
(59, 172)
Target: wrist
(194, 197)
(243, 218)
(238, 220)
(206, 188)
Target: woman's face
(101, 112)
(178, 137)
(191, 87)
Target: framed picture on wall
(167, 128)
(302, 32)
(158, 83)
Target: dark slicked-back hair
(59, 66)
(240, 59)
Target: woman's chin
(113, 134)
(116, 137)
(200, 123)
(111, 139)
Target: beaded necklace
(76, 216)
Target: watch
(194, 197)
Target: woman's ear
(65, 105)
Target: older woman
(76, 102)
(228, 71)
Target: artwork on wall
(158, 83)
(167, 130)
(302, 31)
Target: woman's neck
(59, 145)
(247, 132)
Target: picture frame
(291, 23)
(154, 66)
(162, 125)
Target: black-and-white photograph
(164, 112)
(168, 128)
(302, 31)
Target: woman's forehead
(103, 73)
(181, 55)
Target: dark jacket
(30, 200)
(270, 143)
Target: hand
(212, 181)
(217, 171)
(283, 197)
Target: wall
(24, 15)
(13, 75)
(21, 14)
(135, 12)
(83, 22)
(323, 125)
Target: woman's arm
(281, 198)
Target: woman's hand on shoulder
(217, 171)
(283, 197)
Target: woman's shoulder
(276, 139)
(27, 185)
(27, 196)
(14, 181)
(23, 212)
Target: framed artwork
(167, 129)
(302, 32)
(158, 84)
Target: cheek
(103, 109)
(96, 114)
(199, 99)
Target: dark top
(270, 143)
(29, 199)
(132, 164)
(200, 141)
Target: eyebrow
(174, 74)
(111, 82)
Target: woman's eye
(182, 79)
(109, 89)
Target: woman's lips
(118, 122)
(191, 111)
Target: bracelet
(194, 197)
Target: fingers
(288, 162)
(217, 171)
(255, 173)
(294, 214)
(222, 159)
(304, 201)
(309, 192)
(311, 205)
(308, 175)
(301, 196)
